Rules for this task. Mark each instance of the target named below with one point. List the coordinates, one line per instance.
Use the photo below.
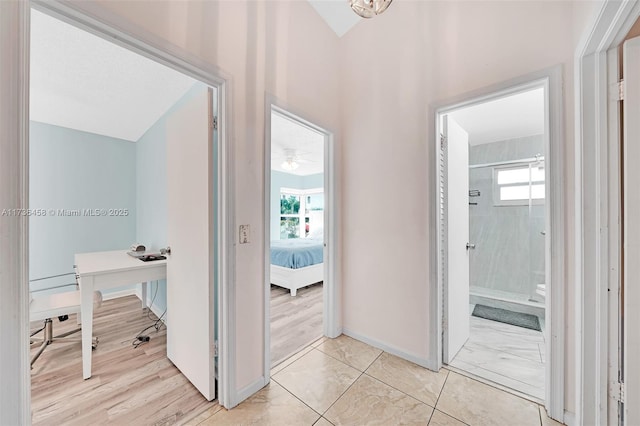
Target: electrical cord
(141, 338)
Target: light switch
(244, 234)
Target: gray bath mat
(508, 317)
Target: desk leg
(86, 308)
(144, 294)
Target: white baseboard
(249, 390)
(423, 362)
(122, 293)
(569, 418)
(154, 308)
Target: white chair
(46, 307)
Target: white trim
(98, 21)
(331, 290)
(15, 392)
(569, 419)
(416, 359)
(551, 80)
(252, 388)
(596, 192)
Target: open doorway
(124, 149)
(494, 223)
(296, 235)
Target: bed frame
(293, 279)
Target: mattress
(296, 253)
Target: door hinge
(621, 90)
(616, 390)
(213, 122)
(215, 348)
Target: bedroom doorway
(297, 205)
(498, 220)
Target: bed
(297, 263)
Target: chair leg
(46, 341)
(49, 338)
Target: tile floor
(505, 354)
(346, 382)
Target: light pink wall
(392, 69)
(283, 48)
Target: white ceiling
(511, 117)
(337, 14)
(83, 82)
(293, 141)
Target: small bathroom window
(514, 186)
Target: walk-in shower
(507, 224)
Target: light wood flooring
(129, 386)
(296, 321)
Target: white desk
(108, 269)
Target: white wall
(283, 48)
(439, 50)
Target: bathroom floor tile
(273, 405)
(440, 419)
(478, 404)
(350, 351)
(317, 379)
(372, 402)
(412, 379)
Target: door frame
(551, 80)
(331, 290)
(597, 205)
(91, 18)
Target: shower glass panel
(507, 221)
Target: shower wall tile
(509, 254)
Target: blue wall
(151, 181)
(287, 180)
(71, 170)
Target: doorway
(497, 210)
(299, 212)
(201, 168)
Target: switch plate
(244, 234)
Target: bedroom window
(513, 186)
(301, 213)
(290, 215)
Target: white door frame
(331, 289)
(89, 18)
(597, 202)
(551, 80)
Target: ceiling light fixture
(289, 164)
(369, 8)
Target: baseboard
(249, 390)
(423, 362)
(569, 418)
(154, 308)
(118, 294)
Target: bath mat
(508, 317)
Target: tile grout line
(462, 373)
(352, 383)
(494, 384)
(296, 397)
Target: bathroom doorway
(494, 228)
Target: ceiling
(507, 118)
(83, 82)
(292, 141)
(337, 14)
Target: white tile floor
(504, 354)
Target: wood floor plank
(128, 386)
(295, 321)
